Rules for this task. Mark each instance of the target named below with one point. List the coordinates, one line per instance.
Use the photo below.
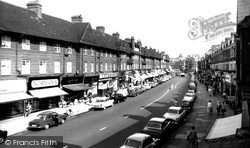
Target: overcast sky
(159, 24)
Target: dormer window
(25, 44)
(85, 52)
(57, 48)
(6, 42)
(69, 50)
(92, 52)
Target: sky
(159, 24)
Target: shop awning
(77, 87)
(150, 75)
(47, 92)
(144, 76)
(12, 97)
(224, 129)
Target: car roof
(187, 99)
(46, 113)
(191, 90)
(174, 107)
(188, 93)
(157, 119)
(138, 136)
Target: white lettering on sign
(108, 75)
(44, 83)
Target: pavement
(19, 124)
(200, 118)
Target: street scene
(68, 81)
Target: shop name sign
(210, 28)
(108, 75)
(44, 83)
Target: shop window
(5, 67)
(25, 67)
(42, 67)
(25, 44)
(43, 46)
(69, 67)
(57, 66)
(92, 52)
(85, 67)
(6, 42)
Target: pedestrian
(192, 137)
(28, 110)
(223, 108)
(209, 107)
(172, 85)
(218, 107)
(224, 96)
(175, 103)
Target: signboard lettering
(44, 83)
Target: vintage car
(190, 95)
(3, 135)
(117, 97)
(148, 86)
(153, 84)
(182, 74)
(140, 140)
(187, 104)
(46, 120)
(158, 128)
(192, 92)
(123, 91)
(176, 115)
(102, 103)
(133, 92)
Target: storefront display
(106, 83)
(92, 81)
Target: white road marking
(155, 100)
(102, 128)
(177, 83)
(126, 117)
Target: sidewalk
(19, 124)
(200, 118)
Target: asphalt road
(109, 128)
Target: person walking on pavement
(175, 103)
(209, 107)
(218, 107)
(223, 108)
(192, 137)
(28, 110)
(172, 85)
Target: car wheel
(2, 139)
(46, 126)
(63, 121)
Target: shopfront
(107, 83)
(46, 90)
(13, 97)
(75, 88)
(92, 81)
(122, 79)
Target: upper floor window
(106, 54)
(57, 48)
(92, 67)
(85, 67)
(106, 66)
(92, 52)
(42, 67)
(5, 42)
(25, 66)
(42, 46)
(114, 66)
(110, 55)
(5, 67)
(69, 50)
(101, 53)
(57, 66)
(26, 44)
(110, 66)
(85, 52)
(69, 67)
(101, 67)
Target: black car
(187, 104)
(159, 128)
(3, 135)
(118, 98)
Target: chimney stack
(76, 19)
(117, 35)
(36, 7)
(101, 29)
(133, 42)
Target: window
(42, 46)
(25, 44)
(106, 66)
(122, 66)
(42, 67)
(57, 48)
(110, 66)
(97, 67)
(114, 67)
(101, 53)
(5, 67)
(106, 54)
(69, 50)
(85, 52)
(92, 52)
(85, 67)
(6, 42)
(69, 67)
(57, 67)
(25, 67)
(110, 55)
(101, 66)
(92, 67)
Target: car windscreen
(190, 91)
(185, 102)
(40, 117)
(153, 125)
(133, 143)
(188, 95)
(172, 111)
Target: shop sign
(10, 86)
(44, 83)
(71, 80)
(108, 75)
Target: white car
(102, 103)
(140, 140)
(192, 92)
(182, 74)
(147, 86)
(175, 114)
(124, 92)
(189, 95)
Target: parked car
(176, 115)
(46, 120)
(192, 92)
(190, 95)
(140, 140)
(133, 92)
(117, 97)
(158, 128)
(102, 103)
(182, 74)
(187, 104)
(153, 84)
(147, 86)
(123, 91)
(3, 135)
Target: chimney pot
(116, 35)
(101, 29)
(36, 7)
(76, 19)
